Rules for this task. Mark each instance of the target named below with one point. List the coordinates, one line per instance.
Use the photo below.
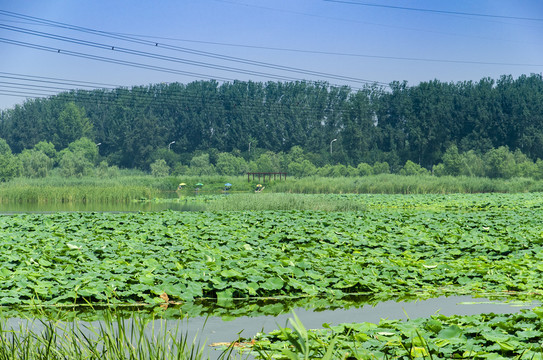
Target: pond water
(216, 329)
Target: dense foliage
(485, 336)
(399, 245)
(136, 127)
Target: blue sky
(340, 41)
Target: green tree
(103, 170)
(48, 149)
(364, 169)
(452, 161)
(72, 124)
(359, 132)
(160, 168)
(524, 167)
(74, 164)
(538, 171)
(35, 163)
(9, 164)
(381, 168)
(500, 163)
(228, 164)
(410, 168)
(267, 162)
(301, 169)
(200, 165)
(79, 158)
(472, 164)
(86, 148)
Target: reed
(398, 184)
(283, 201)
(75, 194)
(130, 187)
(112, 339)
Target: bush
(381, 168)
(35, 164)
(200, 165)
(103, 170)
(411, 169)
(364, 169)
(500, 163)
(228, 164)
(9, 163)
(159, 168)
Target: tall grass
(398, 184)
(120, 189)
(74, 194)
(283, 201)
(128, 188)
(112, 339)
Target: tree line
(421, 126)
(81, 158)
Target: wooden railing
(264, 174)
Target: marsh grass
(122, 189)
(128, 187)
(283, 201)
(78, 190)
(113, 338)
(74, 194)
(398, 184)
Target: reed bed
(113, 338)
(128, 188)
(398, 184)
(283, 201)
(74, 194)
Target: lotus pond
(244, 262)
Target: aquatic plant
(113, 338)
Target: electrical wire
(187, 50)
(108, 60)
(60, 81)
(131, 51)
(154, 99)
(462, 13)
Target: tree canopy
(422, 124)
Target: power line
(60, 81)
(127, 51)
(7, 84)
(186, 50)
(334, 53)
(133, 38)
(436, 11)
(138, 65)
(25, 93)
(106, 59)
(179, 101)
(471, 35)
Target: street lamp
(331, 146)
(170, 144)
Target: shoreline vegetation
(124, 189)
(412, 236)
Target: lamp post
(170, 144)
(331, 142)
